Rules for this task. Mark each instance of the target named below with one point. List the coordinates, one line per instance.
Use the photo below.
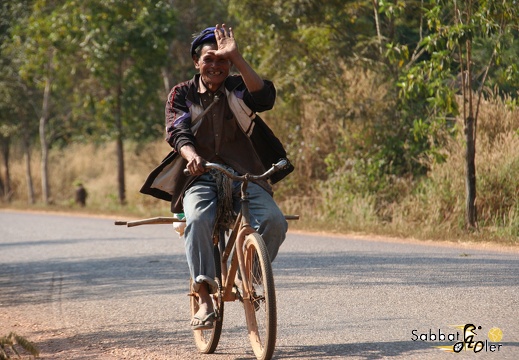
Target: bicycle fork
(238, 259)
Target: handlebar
(281, 164)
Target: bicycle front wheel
(260, 307)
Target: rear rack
(169, 220)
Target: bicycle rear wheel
(207, 340)
(260, 308)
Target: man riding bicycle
(212, 117)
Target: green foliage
(299, 42)
(368, 91)
(124, 44)
(319, 46)
(8, 343)
(16, 104)
(191, 20)
(457, 31)
(101, 56)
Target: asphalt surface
(82, 288)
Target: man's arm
(178, 119)
(251, 79)
(227, 48)
(178, 129)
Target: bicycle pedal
(237, 293)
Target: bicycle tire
(260, 308)
(207, 340)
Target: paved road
(82, 288)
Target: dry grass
(437, 208)
(429, 208)
(95, 167)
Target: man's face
(213, 70)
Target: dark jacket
(167, 181)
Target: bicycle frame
(240, 230)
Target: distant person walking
(81, 195)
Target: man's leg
(267, 218)
(200, 211)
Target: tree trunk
(120, 170)
(470, 137)
(377, 25)
(28, 173)
(45, 189)
(1, 186)
(120, 141)
(470, 172)
(7, 180)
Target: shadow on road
(76, 279)
(367, 269)
(371, 350)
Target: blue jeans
(200, 210)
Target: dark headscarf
(206, 36)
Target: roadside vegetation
(11, 344)
(431, 208)
(400, 117)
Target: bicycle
(241, 250)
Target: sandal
(203, 323)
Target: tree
(41, 48)
(458, 29)
(124, 47)
(103, 62)
(16, 103)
